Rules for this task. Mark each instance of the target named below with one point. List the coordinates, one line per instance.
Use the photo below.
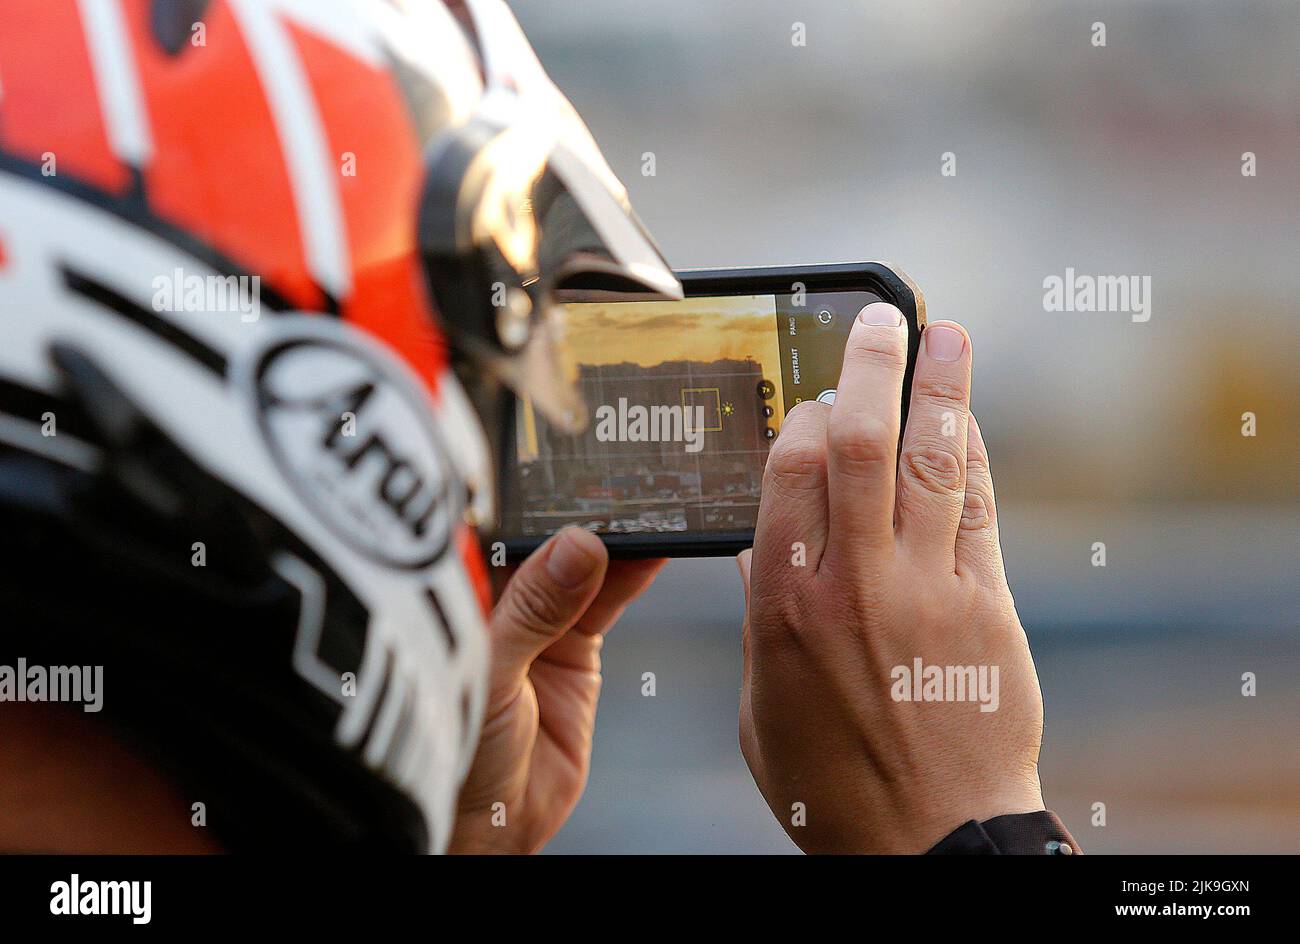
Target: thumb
(742, 563)
(544, 598)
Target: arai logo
(359, 443)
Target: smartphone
(685, 399)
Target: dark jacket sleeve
(1038, 833)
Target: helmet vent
(173, 21)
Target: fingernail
(944, 343)
(569, 564)
(881, 313)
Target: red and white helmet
(247, 248)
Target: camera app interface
(685, 399)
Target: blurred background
(1117, 160)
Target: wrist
(914, 828)
(1014, 798)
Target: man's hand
(865, 561)
(546, 632)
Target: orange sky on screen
(651, 332)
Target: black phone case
(878, 277)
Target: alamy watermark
(179, 291)
(78, 896)
(920, 682)
(637, 423)
(1120, 293)
(39, 683)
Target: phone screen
(684, 400)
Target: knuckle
(945, 392)
(887, 349)
(796, 464)
(935, 468)
(534, 608)
(859, 442)
(977, 511)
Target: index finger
(625, 580)
(862, 435)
